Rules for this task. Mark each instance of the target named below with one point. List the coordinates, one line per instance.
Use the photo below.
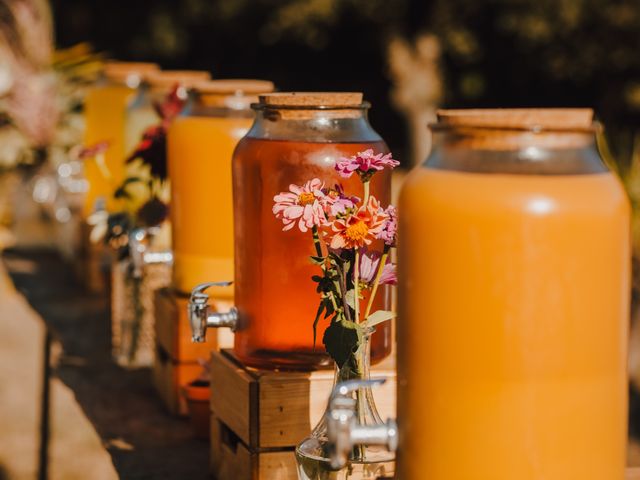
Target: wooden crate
(93, 263)
(173, 332)
(170, 377)
(231, 459)
(258, 416)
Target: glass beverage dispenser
(104, 111)
(200, 146)
(514, 281)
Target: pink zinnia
(335, 201)
(390, 228)
(365, 163)
(369, 262)
(360, 228)
(301, 204)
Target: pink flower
(369, 262)
(360, 228)
(302, 204)
(85, 152)
(335, 201)
(365, 163)
(390, 228)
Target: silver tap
(200, 316)
(140, 256)
(343, 430)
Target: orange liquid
(199, 158)
(275, 296)
(105, 108)
(514, 294)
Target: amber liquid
(514, 297)
(275, 296)
(199, 158)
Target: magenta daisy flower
(365, 164)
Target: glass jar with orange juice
(104, 112)
(514, 280)
(200, 144)
(295, 136)
(141, 111)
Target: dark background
(494, 52)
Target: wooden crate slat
(169, 378)
(231, 459)
(234, 397)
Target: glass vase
(365, 462)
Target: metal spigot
(200, 316)
(343, 430)
(139, 254)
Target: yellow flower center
(357, 232)
(306, 198)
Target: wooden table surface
(144, 441)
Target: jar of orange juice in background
(104, 111)
(200, 146)
(141, 111)
(514, 280)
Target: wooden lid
(170, 78)
(233, 87)
(125, 71)
(519, 118)
(313, 99)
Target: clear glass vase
(365, 462)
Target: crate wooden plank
(269, 409)
(169, 378)
(231, 459)
(173, 332)
(234, 396)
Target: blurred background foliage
(488, 53)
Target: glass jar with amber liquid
(200, 147)
(514, 281)
(295, 137)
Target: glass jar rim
(595, 127)
(264, 106)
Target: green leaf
(317, 260)
(129, 180)
(341, 339)
(378, 317)
(121, 193)
(350, 298)
(315, 322)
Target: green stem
(366, 192)
(376, 283)
(356, 287)
(316, 242)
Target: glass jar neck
(222, 105)
(515, 151)
(322, 125)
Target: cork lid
(312, 99)
(513, 129)
(519, 118)
(310, 105)
(168, 78)
(128, 72)
(233, 87)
